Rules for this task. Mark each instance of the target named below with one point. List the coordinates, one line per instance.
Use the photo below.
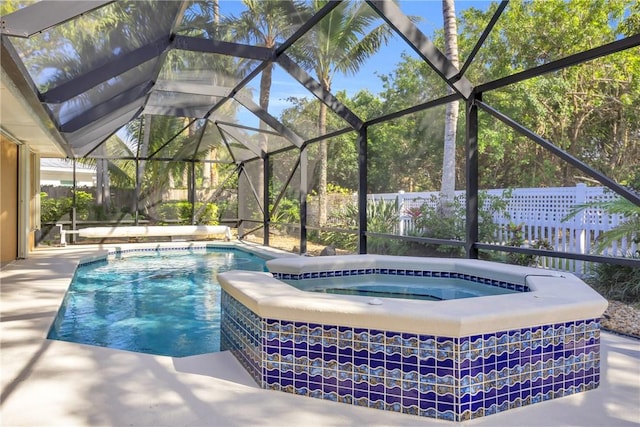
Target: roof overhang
(23, 119)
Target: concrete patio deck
(47, 383)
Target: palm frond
(364, 49)
(122, 173)
(619, 206)
(629, 229)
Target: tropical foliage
(517, 240)
(587, 110)
(618, 282)
(382, 217)
(341, 43)
(52, 210)
(206, 213)
(629, 229)
(429, 222)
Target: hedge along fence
(537, 215)
(539, 212)
(57, 202)
(120, 197)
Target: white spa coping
(147, 231)
(553, 298)
(109, 251)
(155, 231)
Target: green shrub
(617, 282)
(347, 219)
(84, 202)
(433, 220)
(288, 212)
(382, 217)
(429, 221)
(205, 213)
(517, 240)
(227, 208)
(52, 210)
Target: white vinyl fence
(540, 212)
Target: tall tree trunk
(216, 12)
(185, 177)
(263, 139)
(209, 172)
(206, 172)
(247, 204)
(106, 186)
(322, 184)
(448, 183)
(99, 183)
(103, 193)
(143, 151)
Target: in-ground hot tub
(454, 359)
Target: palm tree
(155, 176)
(629, 229)
(341, 42)
(448, 183)
(205, 18)
(265, 24)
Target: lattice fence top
(542, 206)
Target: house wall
(62, 177)
(34, 198)
(8, 201)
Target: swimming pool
(162, 301)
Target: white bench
(147, 231)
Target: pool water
(158, 303)
(385, 286)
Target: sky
(383, 63)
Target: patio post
(304, 183)
(362, 190)
(192, 191)
(74, 202)
(266, 214)
(472, 177)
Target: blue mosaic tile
(455, 379)
(401, 272)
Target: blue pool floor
(49, 383)
(164, 303)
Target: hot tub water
(407, 287)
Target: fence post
(400, 199)
(580, 223)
